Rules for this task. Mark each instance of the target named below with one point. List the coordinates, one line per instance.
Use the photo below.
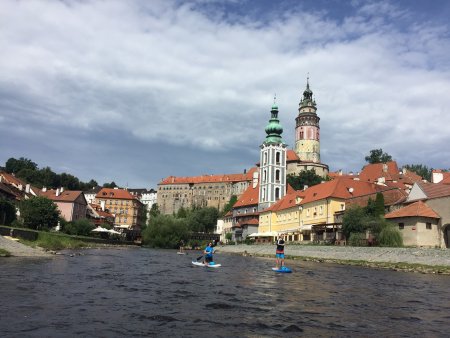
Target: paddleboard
(213, 265)
(283, 269)
(181, 253)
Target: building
(147, 197)
(245, 215)
(307, 136)
(91, 193)
(272, 171)
(425, 218)
(71, 204)
(202, 191)
(126, 208)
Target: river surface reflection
(144, 292)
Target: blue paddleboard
(283, 269)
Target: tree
(420, 169)
(7, 212)
(165, 231)
(379, 205)
(354, 221)
(377, 156)
(229, 205)
(39, 213)
(13, 166)
(154, 211)
(203, 220)
(81, 227)
(306, 177)
(182, 213)
(111, 185)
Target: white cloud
(167, 72)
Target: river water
(151, 293)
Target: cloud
(199, 78)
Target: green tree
(39, 213)
(379, 204)
(229, 205)
(165, 231)
(203, 220)
(354, 221)
(154, 211)
(390, 236)
(111, 185)
(420, 169)
(13, 166)
(306, 177)
(7, 212)
(81, 227)
(182, 213)
(377, 156)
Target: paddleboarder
(279, 254)
(209, 250)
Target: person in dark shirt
(280, 252)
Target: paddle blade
(200, 257)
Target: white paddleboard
(181, 253)
(207, 265)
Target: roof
(94, 190)
(291, 156)
(392, 196)
(288, 201)
(390, 172)
(342, 188)
(111, 193)
(248, 176)
(11, 179)
(416, 209)
(249, 197)
(434, 190)
(65, 196)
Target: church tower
(272, 171)
(307, 130)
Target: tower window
(265, 158)
(277, 194)
(277, 175)
(277, 157)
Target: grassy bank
(50, 241)
(4, 253)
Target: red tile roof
(11, 179)
(416, 209)
(288, 201)
(390, 172)
(341, 188)
(248, 197)
(291, 156)
(110, 193)
(434, 190)
(248, 176)
(65, 196)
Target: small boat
(181, 253)
(210, 265)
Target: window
(428, 225)
(265, 158)
(277, 194)
(277, 157)
(401, 226)
(277, 175)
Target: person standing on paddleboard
(279, 254)
(209, 250)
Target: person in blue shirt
(209, 250)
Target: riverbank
(13, 248)
(424, 260)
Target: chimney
(305, 187)
(57, 192)
(44, 189)
(61, 189)
(385, 167)
(20, 187)
(340, 172)
(27, 188)
(255, 179)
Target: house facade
(71, 204)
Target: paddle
(199, 257)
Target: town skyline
(135, 92)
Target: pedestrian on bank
(279, 254)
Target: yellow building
(310, 215)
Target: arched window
(277, 194)
(277, 157)
(265, 157)
(264, 175)
(277, 175)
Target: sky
(135, 91)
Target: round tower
(307, 129)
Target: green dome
(274, 128)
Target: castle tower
(272, 171)
(307, 130)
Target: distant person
(279, 254)
(181, 246)
(209, 250)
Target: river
(146, 293)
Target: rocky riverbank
(17, 249)
(424, 260)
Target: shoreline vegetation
(420, 260)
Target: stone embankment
(20, 250)
(411, 259)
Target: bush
(81, 227)
(390, 236)
(165, 231)
(357, 239)
(7, 212)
